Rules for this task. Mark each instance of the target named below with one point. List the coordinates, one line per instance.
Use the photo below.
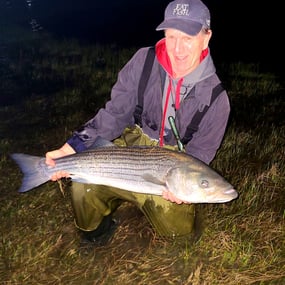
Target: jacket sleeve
(111, 120)
(208, 138)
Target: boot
(103, 234)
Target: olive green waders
(92, 202)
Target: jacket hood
(204, 69)
(162, 56)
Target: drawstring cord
(177, 94)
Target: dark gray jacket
(110, 121)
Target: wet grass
(241, 242)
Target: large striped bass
(149, 170)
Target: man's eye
(187, 41)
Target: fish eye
(205, 183)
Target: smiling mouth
(180, 58)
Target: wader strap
(142, 85)
(194, 124)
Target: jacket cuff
(76, 143)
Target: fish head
(199, 184)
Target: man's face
(184, 50)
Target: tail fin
(31, 167)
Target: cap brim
(189, 27)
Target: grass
(241, 242)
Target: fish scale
(118, 160)
(110, 163)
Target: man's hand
(170, 197)
(65, 150)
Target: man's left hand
(170, 197)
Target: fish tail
(31, 167)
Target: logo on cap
(181, 10)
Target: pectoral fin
(150, 178)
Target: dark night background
(242, 30)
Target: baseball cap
(188, 16)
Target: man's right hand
(65, 150)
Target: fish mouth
(228, 195)
(232, 192)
